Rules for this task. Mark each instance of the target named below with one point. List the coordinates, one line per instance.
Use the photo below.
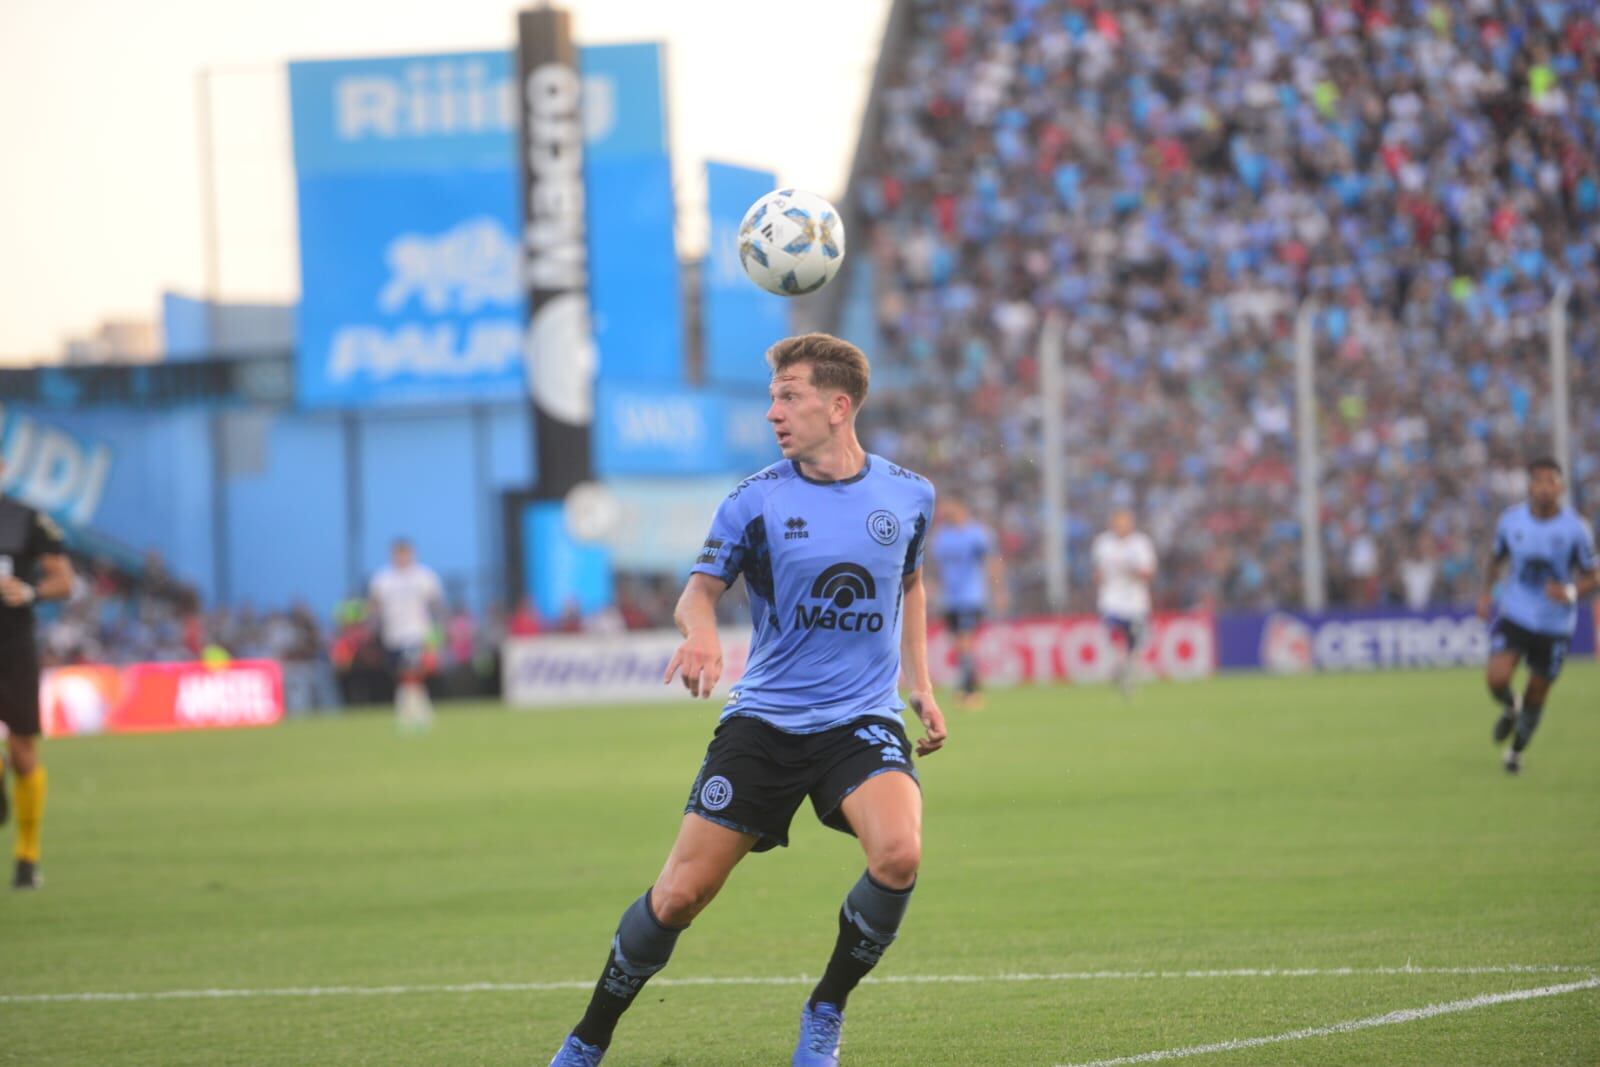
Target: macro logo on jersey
(795, 529)
(716, 794)
(839, 588)
(884, 527)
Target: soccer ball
(791, 242)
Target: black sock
(1503, 697)
(969, 674)
(641, 948)
(868, 923)
(1527, 723)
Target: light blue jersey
(823, 564)
(1557, 549)
(960, 554)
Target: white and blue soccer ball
(791, 242)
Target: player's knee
(677, 897)
(895, 864)
(24, 754)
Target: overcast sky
(99, 167)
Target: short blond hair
(835, 364)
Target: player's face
(801, 414)
(1122, 523)
(1544, 489)
(401, 556)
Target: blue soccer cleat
(819, 1036)
(575, 1053)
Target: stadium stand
(1175, 179)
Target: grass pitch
(1240, 824)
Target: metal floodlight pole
(211, 251)
(1052, 462)
(1560, 380)
(1313, 585)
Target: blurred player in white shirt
(408, 601)
(1124, 564)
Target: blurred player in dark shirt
(33, 567)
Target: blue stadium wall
(265, 507)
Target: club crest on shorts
(716, 793)
(884, 527)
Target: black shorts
(19, 687)
(1132, 630)
(755, 775)
(407, 659)
(1545, 653)
(963, 620)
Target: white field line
(796, 980)
(1407, 1015)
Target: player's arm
(55, 582)
(1491, 573)
(1147, 569)
(699, 658)
(1587, 568)
(997, 583)
(914, 663)
(56, 576)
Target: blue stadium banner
(654, 431)
(635, 287)
(562, 573)
(740, 320)
(408, 202)
(747, 435)
(624, 111)
(429, 112)
(410, 288)
(659, 431)
(53, 469)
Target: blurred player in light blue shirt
(965, 568)
(1551, 554)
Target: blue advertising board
(562, 573)
(409, 230)
(740, 320)
(679, 432)
(411, 288)
(635, 293)
(1376, 639)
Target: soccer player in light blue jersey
(1552, 566)
(966, 568)
(829, 542)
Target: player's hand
(699, 659)
(927, 709)
(1560, 592)
(16, 592)
(1485, 606)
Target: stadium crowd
(1174, 180)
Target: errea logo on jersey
(839, 588)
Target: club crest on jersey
(884, 527)
(716, 794)
(839, 588)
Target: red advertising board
(1077, 648)
(147, 697)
